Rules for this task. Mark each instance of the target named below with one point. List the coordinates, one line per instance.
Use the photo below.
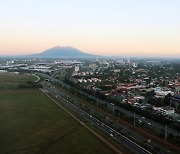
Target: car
(143, 117)
(140, 121)
(149, 123)
(111, 135)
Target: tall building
(76, 68)
(133, 64)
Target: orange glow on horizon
(121, 28)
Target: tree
(167, 99)
(150, 93)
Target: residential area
(142, 92)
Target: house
(167, 110)
(174, 116)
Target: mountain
(63, 52)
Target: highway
(132, 146)
(157, 126)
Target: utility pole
(85, 96)
(165, 136)
(113, 107)
(134, 120)
(176, 105)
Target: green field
(12, 80)
(32, 123)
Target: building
(76, 68)
(167, 110)
(159, 92)
(3, 71)
(10, 62)
(92, 66)
(174, 116)
(133, 64)
(120, 61)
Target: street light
(134, 119)
(97, 102)
(113, 107)
(85, 96)
(165, 136)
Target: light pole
(134, 120)
(165, 136)
(85, 96)
(113, 107)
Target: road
(132, 146)
(157, 126)
(88, 128)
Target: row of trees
(146, 112)
(30, 84)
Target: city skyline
(116, 28)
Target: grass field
(12, 80)
(32, 123)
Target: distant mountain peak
(64, 47)
(64, 52)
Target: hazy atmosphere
(104, 27)
(90, 76)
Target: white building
(3, 71)
(10, 62)
(117, 70)
(133, 64)
(120, 61)
(76, 68)
(160, 92)
(167, 110)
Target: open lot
(32, 123)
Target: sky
(103, 27)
